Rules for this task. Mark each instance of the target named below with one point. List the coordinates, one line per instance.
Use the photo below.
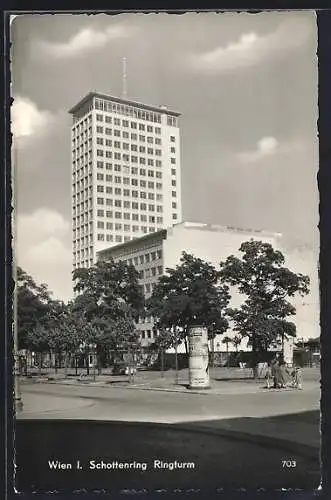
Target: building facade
(154, 253)
(126, 176)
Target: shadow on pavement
(219, 461)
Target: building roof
(188, 225)
(132, 243)
(90, 95)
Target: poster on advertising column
(198, 358)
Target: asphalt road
(70, 423)
(113, 403)
(218, 462)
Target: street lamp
(16, 372)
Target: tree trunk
(162, 362)
(213, 352)
(76, 365)
(40, 362)
(56, 362)
(176, 364)
(66, 362)
(87, 364)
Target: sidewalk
(168, 385)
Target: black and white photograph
(165, 251)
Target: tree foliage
(260, 275)
(33, 305)
(110, 300)
(190, 295)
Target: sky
(246, 85)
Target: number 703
(289, 463)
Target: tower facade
(126, 175)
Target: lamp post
(16, 372)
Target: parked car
(119, 368)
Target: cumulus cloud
(267, 146)
(86, 40)
(252, 48)
(28, 120)
(41, 249)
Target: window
(100, 224)
(134, 159)
(158, 175)
(118, 215)
(172, 138)
(142, 138)
(150, 140)
(158, 152)
(174, 216)
(125, 145)
(100, 213)
(108, 119)
(134, 147)
(142, 161)
(149, 128)
(126, 192)
(174, 204)
(126, 227)
(151, 208)
(134, 194)
(173, 194)
(99, 189)
(142, 183)
(158, 141)
(135, 205)
(134, 170)
(134, 182)
(108, 142)
(100, 201)
(100, 177)
(173, 160)
(143, 218)
(159, 209)
(117, 144)
(173, 171)
(117, 121)
(109, 166)
(118, 238)
(99, 129)
(133, 137)
(126, 157)
(173, 150)
(133, 125)
(117, 167)
(99, 152)
(99, 118)
(101, 237)
(125, 135)
(108, 131)
(109, 214)
(141, 126)
(109, 178)
(109, 237)
(118, 179)
(151, 219)
(143, 195)
(125, 123)
(118, 203)
(147, 258)
(159, 220)
(150, 173)
(143, 206)
(159, 186)
(148, 289)
(100, 141)
(173, 183)
(150, 151)
(135, 217)
(157, 130)
(118, 227)
(117, 156)
(142, 149)
(142, 171)
(109, 154)
(109, 225)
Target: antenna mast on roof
(124, 86)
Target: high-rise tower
(126, 177)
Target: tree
(260, 275)
(227, 340)
(110, 300)
(236, 341)
(33, 305)
(190, 295)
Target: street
(234, 440)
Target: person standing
(298, 377)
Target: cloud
(267, 146)
(252, 48)
(28, 120)
(86, 40)
(42, 250)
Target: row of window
(132, 124)
(127, 110)
(126, 146)
(134, 206)
(127, 227)
(126, 180)
(131, 158)
(120, 239)
(126, 193)
(118, 133)
(150, 273)
(127, 216)
(126, 168)
(145, 258)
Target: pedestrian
(283, 375)
(297, 378)
(268, 376)
(276, 375)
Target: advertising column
(198, 358)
